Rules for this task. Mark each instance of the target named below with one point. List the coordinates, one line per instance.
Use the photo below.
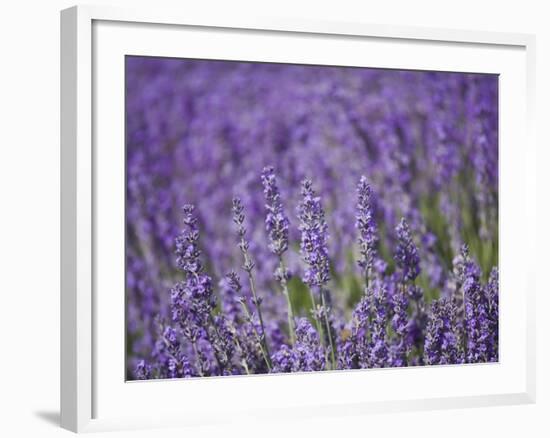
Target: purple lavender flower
(284, 360)
(143, 370)
(492, 296)
(187, 250)
(253, 328)
(200, 131)
(442, 344)
(379, 350)
(476, 311)
(178, 366)
(230, 300)
(222, 339)
(314, 231)
(276, 222)
(401, 346)
(406, 254)
(314, 251)
(366, 227)
(309, 354)
(347, 352)
(193, 299)
(204, 361)
(170, 358)
(418, 320)
(360, 334)
(248, 266)
(244, 245)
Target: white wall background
(29, 216)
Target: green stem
(313, 312)
(257, 304)
(290, 313)
(318, 324)
(258, 337)
(216, 331)
(329, 331)
(197, 363)
(247, 266)
(239, 348)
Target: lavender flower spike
(193, 299)
(306, 355)
(143, 370)
(406, 254)
(366, 227)
(187, 250)
(442, 335)
(360, 331)
(276, 224)
(314, 231)
(492, 296)
(408, 261)
(476, 311)
(400, 324)
(308, 352)
(235, 284)
(314, 250)
(379, 352)
(283, 360)
(248, 265)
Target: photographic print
(289, 218)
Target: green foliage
(299, 296)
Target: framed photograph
(257, 208)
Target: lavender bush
(284, 218)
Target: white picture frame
(89, 362)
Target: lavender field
(286, 218)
